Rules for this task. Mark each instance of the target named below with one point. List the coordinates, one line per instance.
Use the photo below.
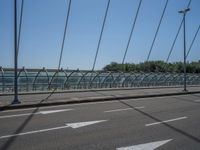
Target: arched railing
(105, 83)
(35, 79)
(43, 84)
(56, 78)
(21, 81)
(72, 79)
(96, 81)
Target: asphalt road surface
(163, 123)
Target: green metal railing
(49, 79)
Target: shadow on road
(188, 100)
(11, 140)
(165, 124)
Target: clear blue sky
(43, 26)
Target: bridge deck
(38, 99)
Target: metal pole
(184, 42)
(185, 89)
(16, 100)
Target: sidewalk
(38, 99)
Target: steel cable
(173, 44)
(64, 34)
(132, 29)
(100, 37)
(62, 48)
(20, 26)
(193, 41)
(157, 30)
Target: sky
(43, 26)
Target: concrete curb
(21, 106)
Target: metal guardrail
(48, 79)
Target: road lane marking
(71, 125)
(82, 124)
(32, 132)
(57, 106)
(146, 146)
(116, 110)
(160, 122)
(54, 111)
(36, 113)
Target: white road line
(66, 105)
(19, 115)
(160, 122)
(116, 110)
(36, 113)
(141, 107)
(54, 111)
(32, 132)
(71, 125)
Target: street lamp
(184, 38)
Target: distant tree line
(154, 66)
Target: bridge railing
(50, 79)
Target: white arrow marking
(82, 124)
(36, 113)
(72, 125)
(146, 146)
(160, 122)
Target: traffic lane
(85, 111)
(81, 113)
(128, 120)
(166, 109)
(189, 127)
(107, 135)
(93, 106)
(187, 132)
(55, 107)
(124, 131)
(193, 98)
(70, 132)
(157, 105)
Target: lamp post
(16, 100)
(184, 43)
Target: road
(163, 123)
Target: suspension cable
(173, 44)
(157, 30)
(62, 48)
(20, 25)
(172, 47)
(132, 29)
(100, 37)
(193, 41)
(64, 34)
